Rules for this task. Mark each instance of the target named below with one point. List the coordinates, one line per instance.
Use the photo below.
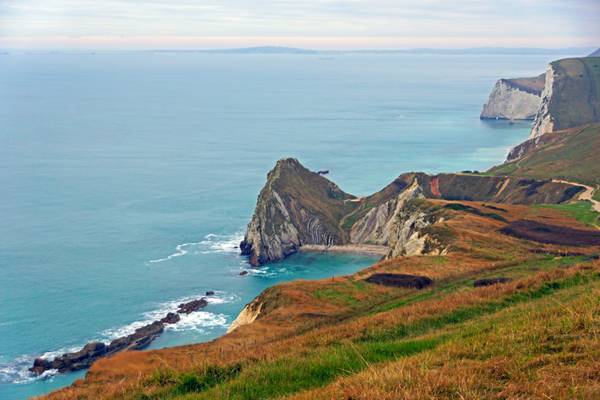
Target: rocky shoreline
(140, 339)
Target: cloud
(503, 22)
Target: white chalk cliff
(513, 99)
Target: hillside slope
(572, 155)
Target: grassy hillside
(534, 336)
(533, 85)
(572, 154)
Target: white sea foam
(16, 371)
(212, 243)
(50, 355)
(199, 321)
(180, 250)
(194, 321)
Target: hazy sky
(301, 23)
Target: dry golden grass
(304, 315)
(546, 350)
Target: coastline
(371, 249)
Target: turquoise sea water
(126, 180)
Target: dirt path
(587, 195)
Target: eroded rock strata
(298, 208)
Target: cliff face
(248, 315)
(298, 207)
(571, 95)
(398, 224)
(295, 207)
(514, 99)
(376, 226)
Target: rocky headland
(298, 207)
(514, 99)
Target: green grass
(352, 294)
(597, 195)
(513, 270)
(191, 382)
(321, 366)
(582, 211)
(468, 313)
(290, 375)
(572, 156)
(337, 297)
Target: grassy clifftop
(572, 154)
(534, 335)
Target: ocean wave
(212, 243)
(17, 370)
(180, 250)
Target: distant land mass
(296, 50)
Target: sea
(127, 178)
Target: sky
(318, 24)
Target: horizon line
(279, 48)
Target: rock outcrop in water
(140, 339)
(514, 99)
(295, 207)
(571, 95)
(298, 207)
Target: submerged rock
(171, 318)
(194, 305)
